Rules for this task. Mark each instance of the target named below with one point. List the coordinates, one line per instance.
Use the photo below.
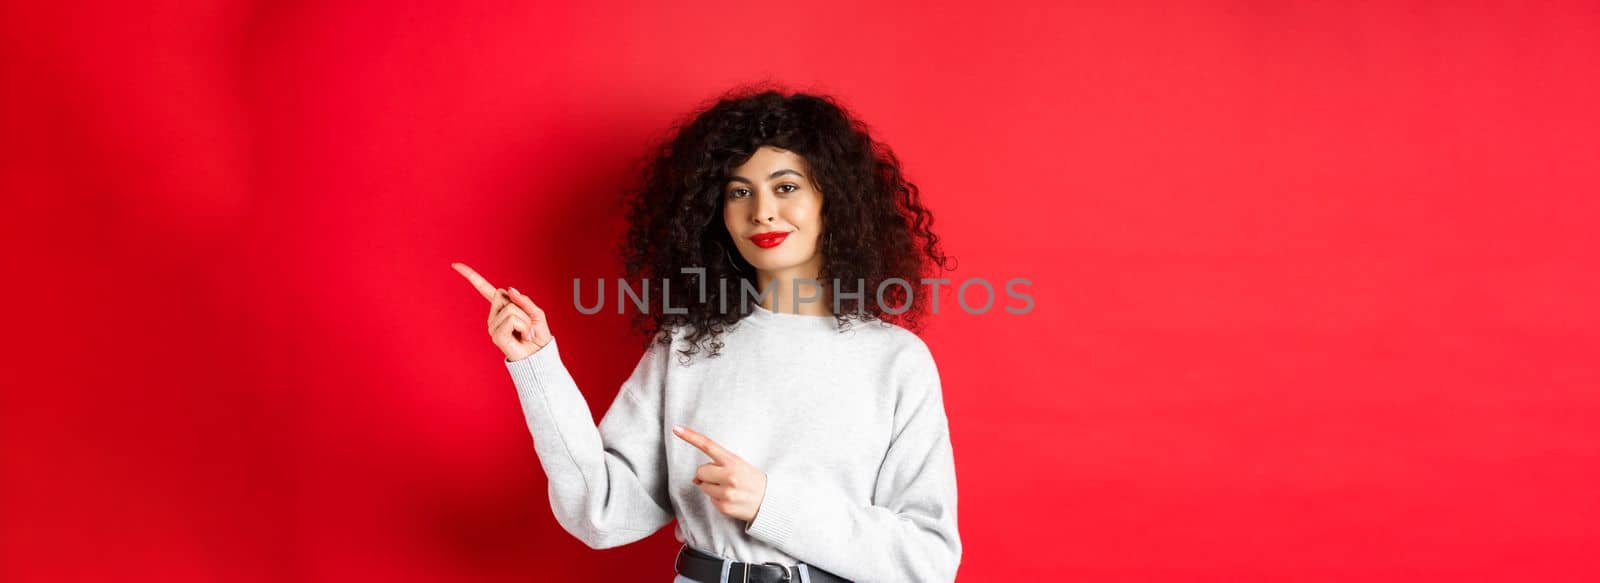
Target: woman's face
(773, 192)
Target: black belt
(706, 568)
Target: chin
(785, 259)
(769, 266)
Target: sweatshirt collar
(783, 319)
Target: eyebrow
(769, 176)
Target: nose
(765, 210)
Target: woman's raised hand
(516, 324)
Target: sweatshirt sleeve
(909, 531)
(607, 484)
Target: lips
(768, 240)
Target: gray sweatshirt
(849, 427)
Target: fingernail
(514, 291)
(677, 429)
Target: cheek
(810, 216)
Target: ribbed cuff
(537, 370)
(779, 510)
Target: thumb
(540, 329)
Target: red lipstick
(768, 240)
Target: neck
(777, 289)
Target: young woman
(808, 441)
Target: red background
(1315, 282)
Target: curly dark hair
(876, 225)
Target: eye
(735, 192)
(789, 185)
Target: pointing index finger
(718, 454)
(482, 285)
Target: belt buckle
(787, 576)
